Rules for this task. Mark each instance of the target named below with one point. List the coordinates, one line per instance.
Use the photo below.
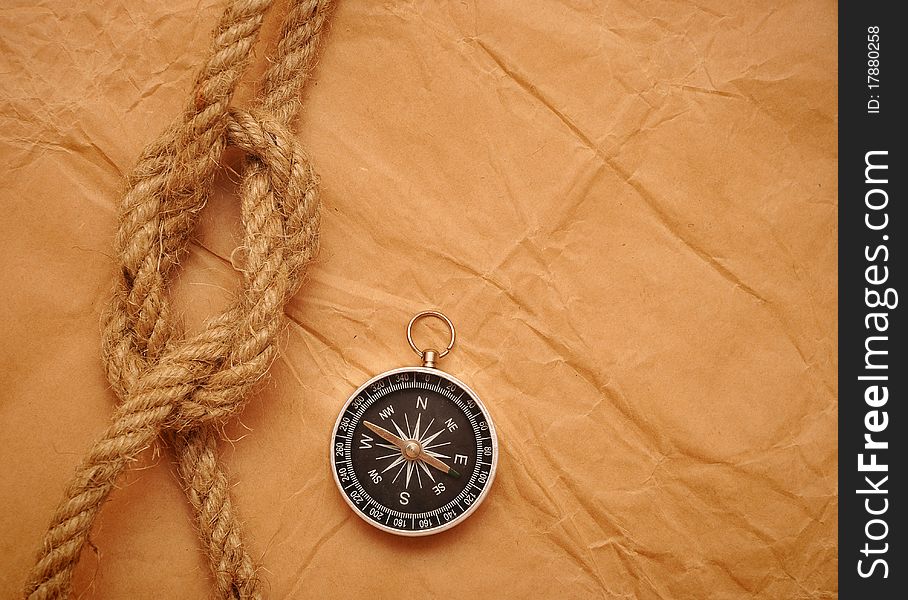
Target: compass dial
(414, 451)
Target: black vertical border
(860, 132)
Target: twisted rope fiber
(183, 388)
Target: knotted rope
(185, 387)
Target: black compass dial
(414, 451)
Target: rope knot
(184, 387)
(201, 380)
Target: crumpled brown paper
(627, 208)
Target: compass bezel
(493, 435)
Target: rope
(183, 388)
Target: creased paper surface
(627, 208)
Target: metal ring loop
(437, 315)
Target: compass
(414, 450)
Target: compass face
(414, 451)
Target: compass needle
(385, 434)
(414, 477)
